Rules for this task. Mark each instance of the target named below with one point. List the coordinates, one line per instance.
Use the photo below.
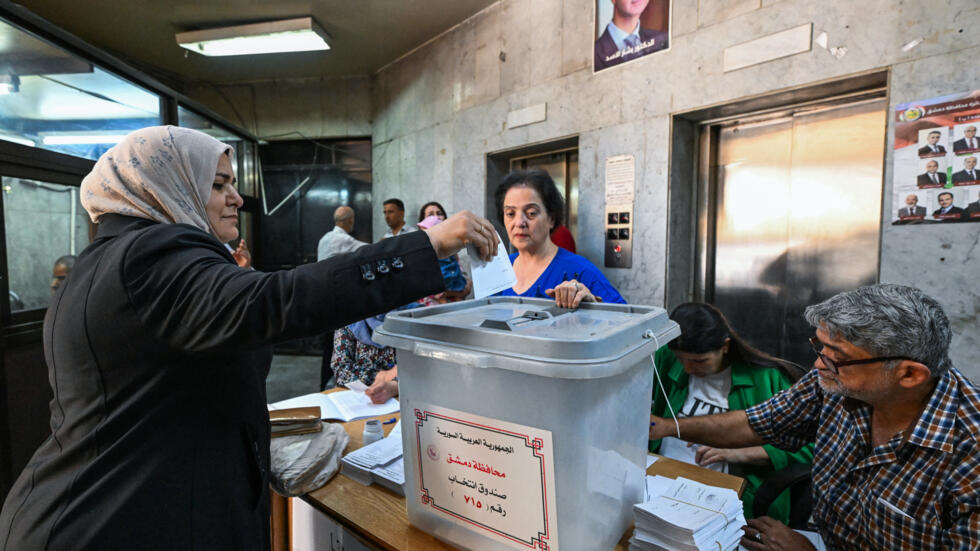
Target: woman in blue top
(530, 207)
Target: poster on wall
(626, 30)
(487, 475)
(936, 177)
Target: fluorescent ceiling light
(17, 139)
(289, 35)
(78, 139)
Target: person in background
(896, 460)
(562, 237)
(159, 345)
(711, 369)
(334, 242)
(62, 267)
(457, 284)
(394, 211)
(356, 357)
(241, 254)
(339, 240)
(529, 207)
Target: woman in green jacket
(710, 369)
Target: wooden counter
(378, 515)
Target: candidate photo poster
(936, 177)
(626, 30)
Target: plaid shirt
(924, 494)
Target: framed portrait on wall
(626, 30)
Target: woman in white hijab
(158, 345)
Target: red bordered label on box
(493, 477)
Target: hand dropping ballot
(493, 276)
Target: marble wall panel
(683, 18)
(477, 48)
(711, 12)
(577, 35)
(518, 33)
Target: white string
(656, 375)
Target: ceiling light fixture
(288, 35)
(82, 139)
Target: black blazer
(926, 151)
(925, 180)
(951, 212)
(157, 348)
(960, 145)
(964, 176)
(605, 47)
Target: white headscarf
(162, 173)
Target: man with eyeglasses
(896, 461)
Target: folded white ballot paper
(494, 276)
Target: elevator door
(797, 217)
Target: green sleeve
(664, 358)
(782, 458)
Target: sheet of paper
(651, 459)
(344, 406)
(356, 405)
(394, 472)
(377, 453)
(327, 408)
(356, 386)
(491, 277)
(657, 485)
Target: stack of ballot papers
(379, 463)
(684, 515)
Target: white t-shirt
(705, 396)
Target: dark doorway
(303, 182)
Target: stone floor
(292, 376)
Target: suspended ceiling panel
(365, 34)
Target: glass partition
(52, 99)
(44, 222)
(244, 149)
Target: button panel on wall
(619, 236)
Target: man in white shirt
(334, 242)
(338, 240)
(394, 211)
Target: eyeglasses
(832, 365)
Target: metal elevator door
(796, 218)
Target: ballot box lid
(531, 334)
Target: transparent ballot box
(525, 425)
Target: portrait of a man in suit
(912, 208)
(946, 210)
(969, 172)
(931, 177)
(973, 210)
(624, 37)
(932, 148)
(968, 143)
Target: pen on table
(390, 421)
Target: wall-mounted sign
(935, 174)
(493, 477)
(620, 179)
(629, 29)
